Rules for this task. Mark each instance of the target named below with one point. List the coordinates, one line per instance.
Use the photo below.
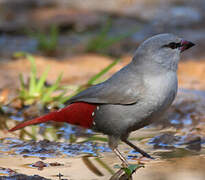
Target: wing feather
(124, 87)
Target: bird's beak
(186, 45)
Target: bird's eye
(172, 45)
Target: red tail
(79, 113)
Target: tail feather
(39, 120)
(79, 113)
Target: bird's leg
(113, 143)
(137, 149)
(121, 157)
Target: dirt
(191, 74)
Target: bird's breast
(158, 95)
(160, 91)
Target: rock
(40, 165)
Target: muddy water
(177, 143)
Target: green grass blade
(34, 131)
(102, 41)
(101, 73)
(23, 132)
(95, 138)
(91, 166)
(22, 84)
(19, 54)
(32, 82)
(106, 28)
(66, 98)
(42, 41)
(51, 89)
(59, 97)
(103, 35)
(54, 37)
(110, 41)
(51, 131)
(92, 80)
(95, 43)
(42, 80)
(104, 165)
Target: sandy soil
(74, 168)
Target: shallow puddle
(177, 139)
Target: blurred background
(52, 49)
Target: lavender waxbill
(134, 97)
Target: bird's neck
(153, 64)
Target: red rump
(79, 113)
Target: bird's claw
(125, 164)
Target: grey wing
(122, 88)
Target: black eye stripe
(173, 45)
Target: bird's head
(163, 50)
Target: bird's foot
(121, 175)
(125, 164)
(121, 157)
(147, 155)
(143, 153)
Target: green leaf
(132, 168)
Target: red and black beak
(186, 45)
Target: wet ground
(177, 140)
(60, 151)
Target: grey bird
(134, 97)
